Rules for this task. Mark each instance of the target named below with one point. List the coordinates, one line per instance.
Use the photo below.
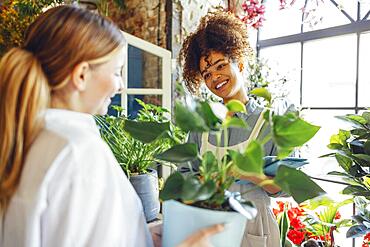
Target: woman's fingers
(200, 238)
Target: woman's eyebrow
(208, 66)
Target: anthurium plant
(135, 156)
(314, 220)
(351, 149)
(208, 189)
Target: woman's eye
(220, 66)
(206, 76)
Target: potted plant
(204, 196)
(351, 149)
(137, 158)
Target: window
(146, 76)
(328, 63)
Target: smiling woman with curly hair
(216, 54)
(218, 31)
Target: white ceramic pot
(180, 221)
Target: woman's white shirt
(72, 191)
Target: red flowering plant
(366, 240)
(316, 219)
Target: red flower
(337, 215)
(254, 11)
(296, 224)
(295, 212)
(296, 236)
(366, 241)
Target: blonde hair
(55, 43)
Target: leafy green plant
(208, 189)
(351, 149)
(15, 17)
(135, 156)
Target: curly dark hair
(217, 31)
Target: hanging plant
(15, 17)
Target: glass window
(281, 23)
(324, 14)
(285, 61)
(364, 71)
(329, 72)
(365, 7)
(144, 69)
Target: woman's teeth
(218, 86)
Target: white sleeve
(92, 203)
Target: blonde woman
(60, 184)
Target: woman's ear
(80, 75)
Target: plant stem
(327, 180)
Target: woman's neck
(240, 95)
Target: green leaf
(173, 187)
(356, 231)
(205, 111)
(356, 118)
(235, 122)
(146, 131)
(366, 116)
(262, 92)
(323, 200)
(344, 162)
(291, 131)
(297, 184)
(209, 164)
(284, 152)
(359, 132)
(236, 106)
(363, 157)
(367, 147)
(190, 188)
(335, 146)
(206, 191)
(283, 227)
(189, 120)
(251, 162)
(356, 191)
(179, 153)
(343, 174)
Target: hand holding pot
(200, 238)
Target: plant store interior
(310, 53)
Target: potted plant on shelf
(137, 158)
(203, 198)
(351, 149)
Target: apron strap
(206, 146)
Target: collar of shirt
(66, 119)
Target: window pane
(329, 72)
(133, 107)
(364, 72)
(323, 14)
(281, 22)
(144, 69)
(285, 61)
(365, 7)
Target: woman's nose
(215, 77)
